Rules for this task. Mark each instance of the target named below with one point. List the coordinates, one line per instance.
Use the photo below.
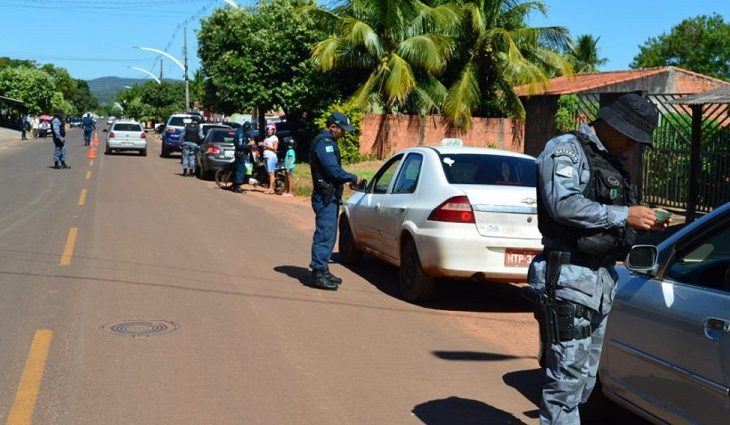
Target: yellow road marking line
(88, 175)
(68, 250)
(91, 163)
(21, 413)
(82, 197)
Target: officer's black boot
(63, 165)
(185, 172)
(56, 166)
(333, 278)
(321, 281)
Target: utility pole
(185, 62)
(160, 69)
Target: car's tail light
(143, 136)
(453, 210)
(111, 134)
(213, 149)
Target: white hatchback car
(126, 135)
(456, 212)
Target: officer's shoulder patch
(329, 148)
(568, 152)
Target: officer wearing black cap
(588, 215)
(328, 179)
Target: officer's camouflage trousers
(572, 367)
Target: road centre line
(21, 412)
(82, 197)
(68, 250)
(88, 175)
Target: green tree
(32, 86)
(258, 58)
(584, 54)
(151, 101)
(698, 44)
(398, 46)
(496, 52)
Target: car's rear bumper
(212, 163)
(464, 255)
(130, 146)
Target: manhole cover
(138, 328)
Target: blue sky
(97, 38)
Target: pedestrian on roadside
(87, 123)
(290, 161)
(23, 127)
(243, 142)
(270, 146)
(58, 131)
(588, 214)
(192, 136)
(328, 179)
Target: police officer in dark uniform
(328, 179)
(588, 215)
(243, 142)
(192, 136)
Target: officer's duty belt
(592, 262)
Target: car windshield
(177, 121)
(483, 169)
(127, 127)
(218, 136)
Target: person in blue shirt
(290, 160)
(87, 123)
(588, 214)
(328, 179)
(58, 129)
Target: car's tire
(349, 254)
(415, 284)
(165, 153)
(107, 151)
(143, 152)
(223, 178)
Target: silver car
(216, 151)
(126, 135)
(667, 347)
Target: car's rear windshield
(498, 170)
(222, 136)
(177, 121)
(127, 127)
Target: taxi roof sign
(451, 142)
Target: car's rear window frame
(129, 125)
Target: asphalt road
(132, 295)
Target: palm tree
(498, 52)
(400, 45)
(584, 54)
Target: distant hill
(105, 89)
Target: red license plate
(519, 257)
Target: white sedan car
(446, 211)
(126, 135)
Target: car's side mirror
(642, 259)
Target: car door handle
(377, 206)
(717, 325)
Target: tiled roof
(718, 95)
(691, 83)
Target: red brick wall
(383, 135)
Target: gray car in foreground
(667, 348)
(216, 151)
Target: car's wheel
(415, 284)
(107, 151)
(165, 153)
(223, 178)
(143, 152)
(349, 254)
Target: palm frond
(364, 94)
(431, 94)
(400, 81)
(324, 18)
(429, 52)
(462, 98)
(359, 34)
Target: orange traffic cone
(91, 153)
(96, 139)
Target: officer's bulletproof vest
(609, 184)
(314, 160)
(192, 132)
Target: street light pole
(178, 63)
(185, 57)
